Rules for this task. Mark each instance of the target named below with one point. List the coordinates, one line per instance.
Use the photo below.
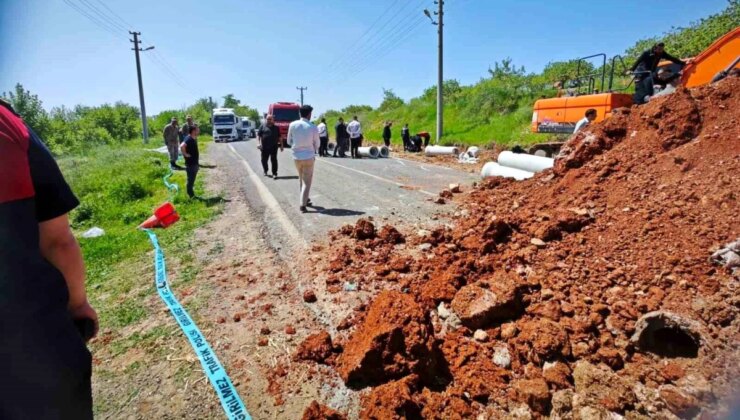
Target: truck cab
(284, 113)
(226, 125)
(247, 128)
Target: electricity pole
(440, 78)
(302, 89)
(144, 126)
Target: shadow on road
(335, 212)
(287, 177)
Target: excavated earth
(586, 292)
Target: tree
(30, 107)
(390, 100)
(505, 69)
(230, 101)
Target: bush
(128, 190)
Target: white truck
(226, 125)
(248, 128)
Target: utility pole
(302, 89)
(440, 61)
(144, 125)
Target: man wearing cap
(172, 141)
(185, 130)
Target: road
(342, 191)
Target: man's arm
(184, 148)
(316, 141)
(640, 59)
(290, 135)
(59, 247)
(673, 59)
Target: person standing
(269, 142)
(387, 133)
(189, 149)
(355, 137)
(45, 316)
(172, 141)
(645, 68)
(342, 137)
(303, 138)
(185, 129)
(323, 138)
(586, 121)
(405, 137)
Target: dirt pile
(552, 274)
(317, 411)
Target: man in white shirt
(586, 121)
(323, 138)
(303, 138)
(355, 137)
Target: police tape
(171, 186)
(214, 370)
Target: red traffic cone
(164, 216)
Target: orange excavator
(560, 115)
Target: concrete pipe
(371, 152)
(491, 169)
(441, 150)
(330, 147)
(473, 151)
(525, 162)
(384, 151)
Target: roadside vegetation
(498, 108)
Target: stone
(479, 306)
(316, 411)
(455, 188)
(508, 330)
(309, 296)
(539, 243)
(442, 311)
(426, 246)
(501, 357)
(562, 403)
(480, 335)
(557, 374)
(678, 402)
(600, 387)
(534, 393)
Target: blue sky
(261, 50)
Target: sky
(345, 51)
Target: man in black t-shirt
(269, 142)
(45, 367)
(189, 149)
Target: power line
(112, 12)
(91, 7)
(96, 21)
(360, 56)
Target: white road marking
(444, 168)
(376, 177)
(422, 167)
(270, 201)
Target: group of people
(183, 140)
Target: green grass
(118, 188)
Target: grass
(118, 187)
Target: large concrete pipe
(525, 162)
(441, 150)
(473, 151)
(371, 151)
(494, 169)
(384, 151)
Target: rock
(539, 243)
(363, 229)
(237, 317)
(534, 393)
(546, 293)
(262, 341)
(597, 386)
(697, 386)
(557, 375)
(316, 347)
(393, 400)
(455, 188)
(667, 334)
(309, 296)
(543, 340)
(480, 335)
(440, 200)
(220, 320)
(265, 330)
(426, 246)
(562, 403)
(479, 306)
(316, 411)
(501, 357)
(445, 194)
(442, 311)
(423, 232)
(508, 330)
(290, 330)
(678, 402)
(391, 235)
(394, 340)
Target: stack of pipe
(371, 152)
(441, 150)
(516, 165)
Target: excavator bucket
(716, 58)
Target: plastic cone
(150, 223)
(164, 216)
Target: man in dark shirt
(342, 138)
(645, 68)
(405, 136)
(189, 149)
(387, 133)
(45, 365)
(269, 142)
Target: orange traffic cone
(164, 216)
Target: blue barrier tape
(230, 401)
(171, 186)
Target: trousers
(356, 144)
(173, 148)
(305, 177)
(270, 153)
(192, 172)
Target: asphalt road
(342, 191)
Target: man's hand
(85, 311)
